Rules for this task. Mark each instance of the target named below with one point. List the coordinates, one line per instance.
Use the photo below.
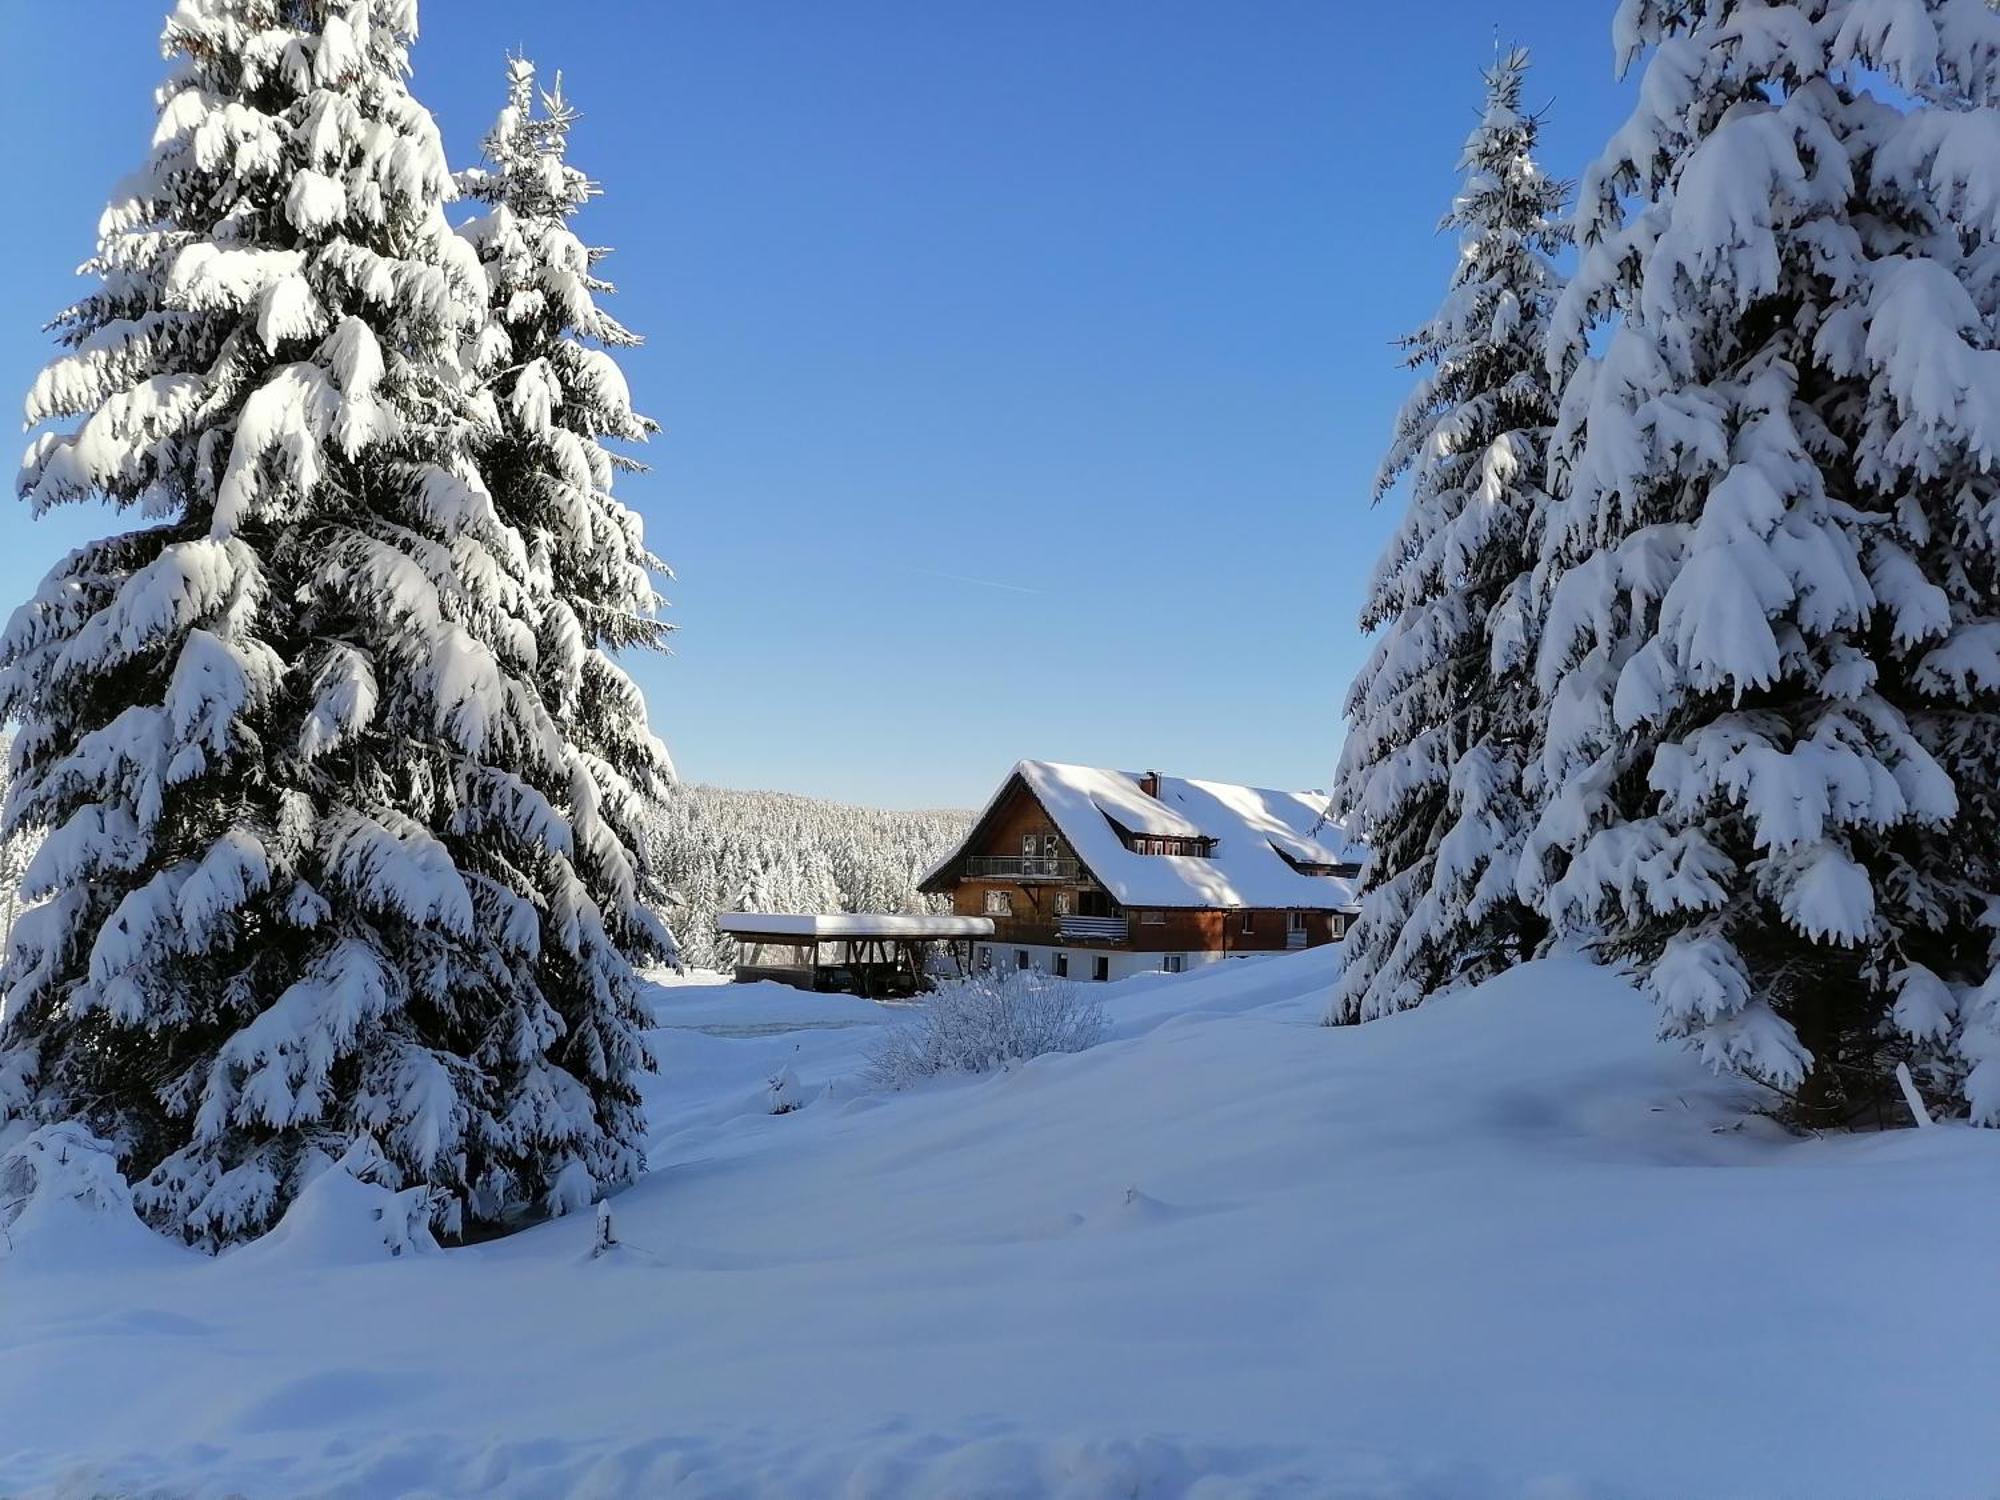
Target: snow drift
(1503, 1245)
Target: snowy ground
(1505, 1246)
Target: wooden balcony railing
(1092, 929)
(1077, 930)
(1020, 867)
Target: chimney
(1149, 783)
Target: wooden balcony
(1021, 867)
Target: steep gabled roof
(1249, 827)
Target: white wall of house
(1082, 962)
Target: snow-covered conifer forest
(378, 1115)
(723, 850)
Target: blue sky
(1023, 368)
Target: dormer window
(1196, 845)
(1329, 871)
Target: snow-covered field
(1504, 1246)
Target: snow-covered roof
(809, 926)
(1248, 826)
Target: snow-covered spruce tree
(287, 740)
(1441, 721)
(558, 396)
(1769, 588)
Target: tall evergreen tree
(559, 395)
(1769, 595)
(287, 740)
(1440, 721)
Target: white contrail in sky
(985, 583)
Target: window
(1020, 958)
(1100, 968)
(1062, 903)
(985, 958)
(1152, 919)
(1249, 923)
(1028, 845)
(999, 904)
(1062, 966)
(1174, 963)
(1339, 925)
(1049, 846)
(1298, 922)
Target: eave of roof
(777, 926)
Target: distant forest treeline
(724, 850)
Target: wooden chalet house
(1095, 874)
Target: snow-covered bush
(786, 1093)
(64, 1161)
(984, 1022)
(64, 1201)
(350, 1212)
